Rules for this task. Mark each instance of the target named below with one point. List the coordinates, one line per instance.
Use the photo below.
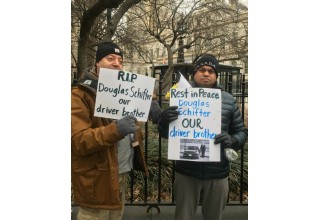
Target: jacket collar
(89, 79)
(215, 86)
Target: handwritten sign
(121, 93)
(191, 136)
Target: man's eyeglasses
(203, 70)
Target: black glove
(127, 125)
(155, 112)
(168, 115)
(225, 140)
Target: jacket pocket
(83, 185)
(106, 185)
(98, 186)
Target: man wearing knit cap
(101, 151)
(206, 182)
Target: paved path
(167, 213)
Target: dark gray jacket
(231, 122)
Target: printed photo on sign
(191, 136)
(121, 93)
(194, 149)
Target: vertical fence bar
(229, 80)
(174, 81)
(225, 77)
(146, 156)
(159, 172)
(242, 148)
(172, 181)
(243, 85)
(159, 160)
(131, 186)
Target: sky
(245, 2)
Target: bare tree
(97, 20)
(206, 26)
(161, 21)
(209, 26)
(155, 21)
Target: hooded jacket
(94, 159)
(231, 122)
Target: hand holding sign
(168, 115)
(127, 125)
(225, 140)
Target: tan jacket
(94, 160)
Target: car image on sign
(191, 152)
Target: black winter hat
(206, 59)
(107, 48)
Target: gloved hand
(127, 125)
(155, 112)
(168, 115)
(225, 140)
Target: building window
(163, 51)
(223, 42)
(151, 54)
(146, 71)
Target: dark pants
(187, 192)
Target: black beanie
(206, 59)
(107, 48)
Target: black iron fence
(154, 191)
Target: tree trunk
(87, 22)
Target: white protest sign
(121, 93)
(191, 136)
